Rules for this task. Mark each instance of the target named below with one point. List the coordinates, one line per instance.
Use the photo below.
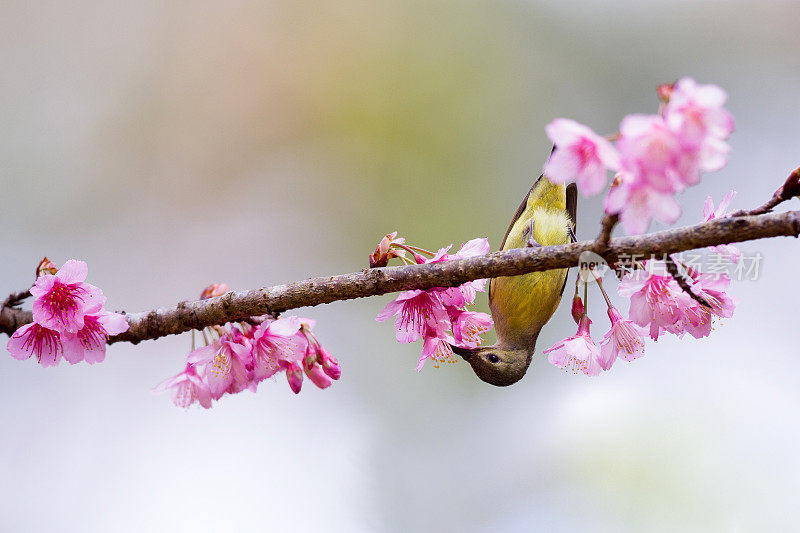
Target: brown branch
(372, 282)
(790, 189)
(606, 227)
(16, 298)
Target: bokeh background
(174, 144)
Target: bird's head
(497, 365)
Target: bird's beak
(466, 353)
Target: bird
(522, 305)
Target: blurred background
(175, 144)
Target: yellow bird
(522, 305)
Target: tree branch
(372, 282)
(787, 191)
(16, 298)
(603, 238)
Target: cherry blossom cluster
(69, 320)
(439, 316)
(239, 355)
(655, 156)
(657, 305)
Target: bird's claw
(528, 236)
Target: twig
(606, 227)
(371, 282)
(790, 189)
(672, 268)
(16, 298)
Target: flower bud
(317, 376)
(215, 289)
(577, 308)
(294, 375)
(46, 267)
(310, 359)
(384, 252)
(376, 259)
(664, 91)
(329, 363)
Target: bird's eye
(492, 358)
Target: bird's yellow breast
(521, 305)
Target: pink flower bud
(310, 359)
(664, 91)
(386, 242)
(317, 376)
(384, 252)
(577, 308)
(215, 289)
(329, 364)
(46, 267)
(294, 375)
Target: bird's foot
(572, 233)
(528, 236)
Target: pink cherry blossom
(89, 344)
(698, 320)
(468, 327)
(624, 339)
(473, 248)
(709, 213)
(187, 387)
(697, 114)
(225, 367)
(463, 294)
(417, 312)
(580, 155)
(62, 300)
(438, 350)
(275, 341)
(637, 204)
(657, 301)
(578, 352)
(432, 314)
(35, 339)
(655, 154)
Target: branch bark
(372, 282)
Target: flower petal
(73, 271)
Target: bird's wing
(572, 208)
(520, 210)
